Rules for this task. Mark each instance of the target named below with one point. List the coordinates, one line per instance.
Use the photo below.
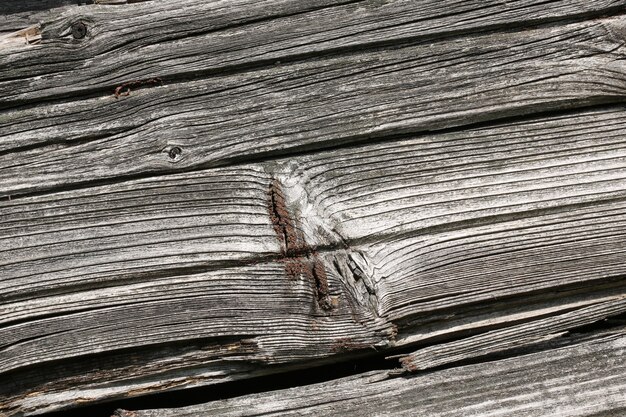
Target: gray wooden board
(195, 260)
(306, 183)
(309, 103)
(585, 379)
(163, 39)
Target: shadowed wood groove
(569, 381)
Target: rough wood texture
(205, 191)
(513, 337)
(236, 256)
(177, 38)
(311, 102)
(585, 379)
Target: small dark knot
(175, 152)
(79, 30)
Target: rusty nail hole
(175, 152)
(79, 30)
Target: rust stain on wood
(291, 240)
(125, 89)
(346, 344)
(299, 258)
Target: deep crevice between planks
(302, 375)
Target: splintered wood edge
(518, 336)
(581, 379)
(27, 36)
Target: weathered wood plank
(438, 182)
(275, 110)
(487, 263)
(585, 379)
(482, 238)
(459, 233)
(134, 232)
(195, 35)
(518, 336)
(205, 261)
(178, 332)
(459, 218)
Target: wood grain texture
(424, 240)
(309, 104)
(168, 40)
(466, 217)
(207, 191)
(585, 379)
(134, 231)
(161, 284)
(175, 333)
(518, 336)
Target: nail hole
(79, 30)
(175, 152)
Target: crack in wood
(125, 88)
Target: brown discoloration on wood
(318, 271)
(124, 413)
(285, 226)
(407, 364)
(346, 344)
(29, 36)
(299, 258)
(125, 89)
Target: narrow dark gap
(278, 381)
(311, 374)
(588, 332)
(521, 301)
(22, 6)
(605, 324)
(390, 137)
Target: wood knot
(79, 30)
(175, 153)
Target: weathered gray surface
(311, 102)
(585, 379)
(291, 183)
